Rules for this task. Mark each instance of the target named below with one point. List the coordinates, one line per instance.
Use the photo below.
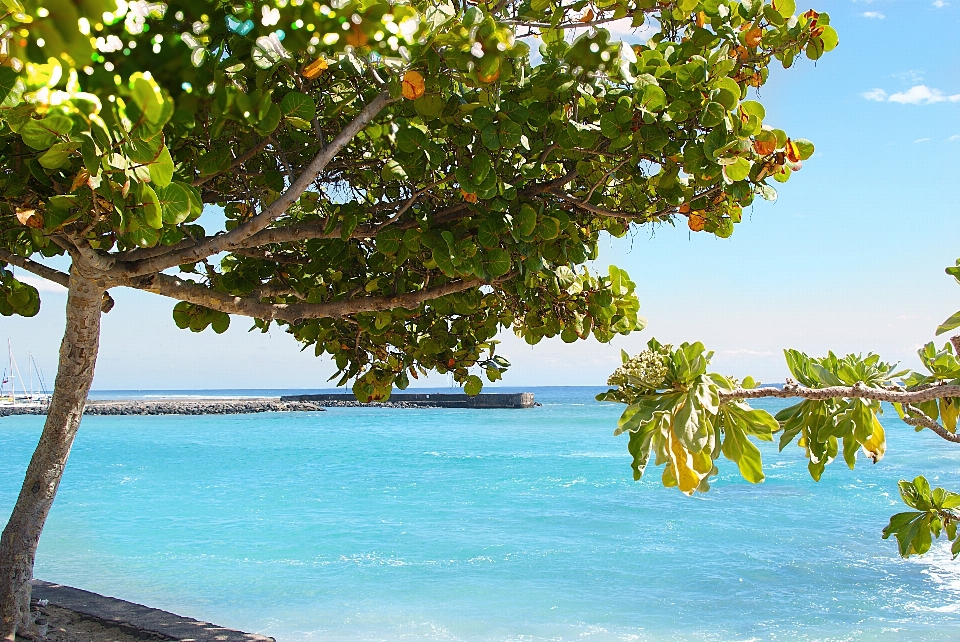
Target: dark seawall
(428, 400)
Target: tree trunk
(18, 544)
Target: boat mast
(13, 385)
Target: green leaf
(491, 137)
(152, 212)
(11, 87)
(473, 386)
(299, 105)
(388, 240)
(738, 170)
(41, 134)
(220, 323)
(653, 97)
(525, 221)
(713, 115)
(805, 147)
(146, 94)
(609, 126)
(429, 105)
(175, 203)
(411, 139)
(270, 121)
(181, 315)
(58, 154)
(496, 262)
(950, 324)
(161, 168)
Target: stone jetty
(293, 403)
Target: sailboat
(9, 396)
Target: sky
(850, 258)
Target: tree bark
(18, 544)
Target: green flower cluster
(642, 374)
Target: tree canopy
(398, 181)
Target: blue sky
(850, 257)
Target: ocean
(481, 525)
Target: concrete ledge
(423, 400)
(128, 615)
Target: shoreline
(66, 614)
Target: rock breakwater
(176, 407)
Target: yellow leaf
(413, 85)
(682, 463)
(877, 444)
(315, 68)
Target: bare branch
(572, 25)
(596, 209)
(58, 277)
(252, 307)
(235, 237)
(858, 391)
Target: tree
(686, 417)
(398, 181)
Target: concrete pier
(424, 400)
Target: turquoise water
(388, 524)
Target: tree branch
(197, 294)
(920, 419)
(235, 237)
(596, 209)
(48, 273)
(858, 391)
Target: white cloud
(873, 14)
(921, 95)
(940, 4)
(878, 95)
(954, 137)
(921, 140)
(41, 284)
(752, 353)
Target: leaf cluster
(936, 513)
(674, 413)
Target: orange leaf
(356, 37)
(765, 148)
(588, 16)
(30, 218)
(752, 38)
(701, 19)
(413, 85)
(315, 68)
(685, 208)
(469, 197)
(696, 221)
